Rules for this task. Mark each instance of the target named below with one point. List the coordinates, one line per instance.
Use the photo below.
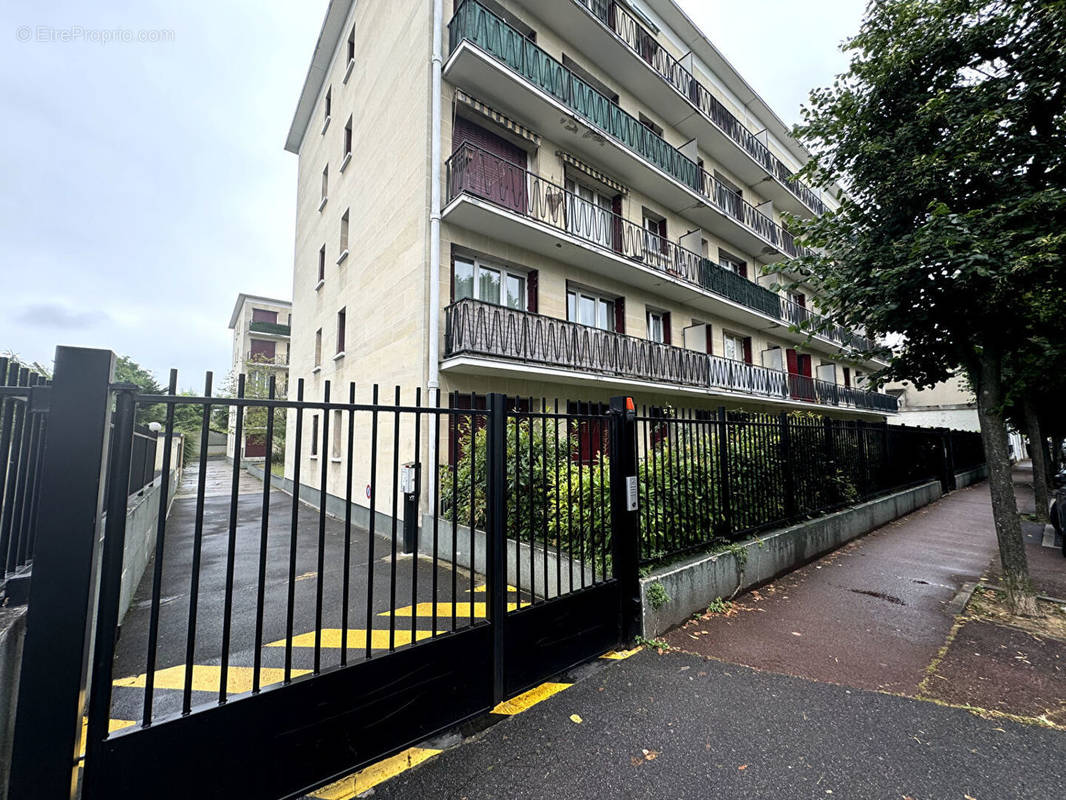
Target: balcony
(487, 193)
(272, 328)
(493, 59)
(266, 361)
(486, 331)
(626, 49)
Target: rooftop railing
(485, 329)
(622, 23)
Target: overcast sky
(143, 184)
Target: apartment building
(261, 332)
(552, 199)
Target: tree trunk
(1039, 453)
(1020, 593)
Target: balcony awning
(505, 122)
(592, 172)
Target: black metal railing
(709, 478)
(477, 328)
(618, 20)
(477, 172)
(473, 22)
(23, 425)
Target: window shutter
(616, 220)
(666, 327)
(531, 291)
(792, 362)
(663, 242)
(620, 315)
(801, 300)
(743, 269)
(710, 341)
(805, 365)
(747, 349)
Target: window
(651, 126)
(314, 435)
(847, 376)
(340, 330)
(325, 186)
(322, 264)
(344, 235)
(351, 45)
(732, 263)
(655, 241)
(336, 449)
(587, 308)
(318, 348)
(588, 78)
(659, 326)
(329, 105)
(737, 348)
(728, 195)
(491, 283)
(262, 315)
(588, 213)
(347, 143)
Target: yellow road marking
(516, 705)
(112, 726)
(480, 610)
(359, 782)
(207, 678)
(618, 655)
(331, 638)
(484, 587)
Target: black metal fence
(23, 424)
(716, 477)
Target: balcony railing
(274, 328)
(485, 329)
(476, 172)
(474, 23)
(618, 20)
(266, 361)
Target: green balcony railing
(274, 328)
(474, 23)
(722, 281)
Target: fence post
(56, 650)
(625, 520)
(496, 555)
(786, 458)
(723, 473)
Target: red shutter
(847, 377)
(498, 174)
(531, 291)
(805, 365)
(620, 315)
(747, 350)
(263, 349)
(791, 361)
(710, 341)
(666, 327)
(262, 315)
(663, 241)
(616, 221)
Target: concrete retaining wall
(695, 583)
(142, 517)
(12, 634)
(971, 476)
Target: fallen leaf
(650, 755)
(636, 761)
(575, 718)
(796, 633)
(742, 767)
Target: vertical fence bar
(294, 527)
(373, 515)
(53, 673)
(324, 456)
(395, 515)
(496, 557)
(264, 530)
(346, 579)
(110, 586)
(231, 542)
(723, 472)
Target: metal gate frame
(288, 739)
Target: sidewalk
(852, 632)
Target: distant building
(949, 404)
(261, 328)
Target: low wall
(697, 582)
(142, 517)
(12, 633)
(470, 553)
(971, 476)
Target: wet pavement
(870, 615)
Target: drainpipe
(436, 64)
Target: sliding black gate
(279, 642)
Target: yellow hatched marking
(207, 678)
(481, 588)
(359, 782)
(479, 609)
(516, 705)
(618, 655)
(331, 638)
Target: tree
(129, 371)
(949, 132)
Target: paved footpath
(847, 629)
